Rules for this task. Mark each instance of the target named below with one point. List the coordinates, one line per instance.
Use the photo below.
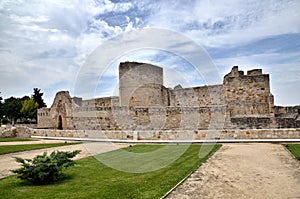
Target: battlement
(254, 72)
(235, 72)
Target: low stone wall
(33, 126)
(15, 131)
(292, 133)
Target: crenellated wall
(241, 102)
(248, 94)
(248, 98)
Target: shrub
(5, 121)
(26, 121)
(44, 169)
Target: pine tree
(37, 97)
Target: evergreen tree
(37, 97)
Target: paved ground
(7, 162)
(244, 171)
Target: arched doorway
(59, 125)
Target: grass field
(90, 178)
(294, 149)
(16, 139)
(26, 147)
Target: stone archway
(59, 123)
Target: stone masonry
(243, 101)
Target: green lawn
(90, 178)
(294, 149)
(26, 147)
(16, 139)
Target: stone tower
(141, 84)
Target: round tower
(140, 84)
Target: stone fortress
(147, 109)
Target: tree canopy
(11, 108)
(21, 108)
(29, 109)
(37, 97)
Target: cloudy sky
(48, 44)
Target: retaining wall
(291, 133)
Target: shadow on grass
(65, 178)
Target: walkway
(244, 171)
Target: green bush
(26, 121)
(5, 121)
(44, 169)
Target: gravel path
(244, 171)
(7, 162)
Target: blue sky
(46, 44)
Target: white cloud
(45, 46)
(128, 44)
(236, 22)
(108, 6)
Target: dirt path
(7, 162)
(244, 171)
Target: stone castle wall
(241, 102)
(60, 115)
(287, 117)
(198, 96)
(248, 94)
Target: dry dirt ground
(7, 161)
(244, 171)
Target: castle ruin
(243, 101)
